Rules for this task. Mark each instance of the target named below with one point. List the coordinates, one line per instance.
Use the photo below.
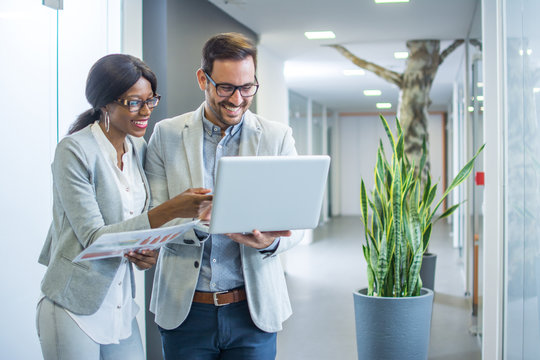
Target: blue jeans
(218, 332)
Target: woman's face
(124, 122)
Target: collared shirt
(112, 322)
(221, 267)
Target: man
(218, 296)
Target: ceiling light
(317, 35)
(470, 108)
(354, 72)
(383, 105)
(372, 92)
(480, 84)
(536, 90)
(480, 98)
(390, 1)
(401, 55)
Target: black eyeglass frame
(235, 87)
(125, 103)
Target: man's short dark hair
(227, 46)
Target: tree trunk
(414, 98)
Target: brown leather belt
(220, 298)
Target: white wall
(28, 89)
(272, 97)
(28, 69)
(359, 140)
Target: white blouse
(112, 322)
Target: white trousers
(62, 339)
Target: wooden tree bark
(414, 84)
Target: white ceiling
(371, 31)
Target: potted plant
(393, 314)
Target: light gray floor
(322, 276)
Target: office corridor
(322, 276)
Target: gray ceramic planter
(427, 271)
(393, 328)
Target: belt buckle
(214, 295)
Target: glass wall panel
(298, 121)
(27, 73)
(522, 176)
(317, 128)
(46, 57)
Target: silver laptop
(268, 193)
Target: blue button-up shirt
(221, 267)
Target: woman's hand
(143, 259)
(192, 203)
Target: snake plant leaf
(423, 159)
(370, 270)
(398, 127)
(414, 272)
(426, 236)
(379, 200)
(396, 212)
(450, 210)
(414, 222)
(427, 187)
(388, 133)
(363, 206)
(460, 177)
(400, 147)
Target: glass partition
(522, 181)
(47, 54)
(317, 128)
(298, 121)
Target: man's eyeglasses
(226, 90)
(136, 105)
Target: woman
(87, 310)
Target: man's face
(227, 111)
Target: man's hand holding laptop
(258, 239)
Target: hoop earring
(107, 121)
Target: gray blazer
(86, 204)
(174, 163)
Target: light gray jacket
(86, 204)
(174, 163)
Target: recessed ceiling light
(535, 90)
(372, 92)
(480, 84)
(480, 98)
(470, 108)
(353, 72)
(401, 55)
(383, 105)
(390, 1)
(317, 35)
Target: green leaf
(423, 158)
(396, 228)
(414, 273)
(449, 211)
(460, 177)
(426, 236)
(400, 148)
(369, 269)
(389, 133)
(363, 207)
